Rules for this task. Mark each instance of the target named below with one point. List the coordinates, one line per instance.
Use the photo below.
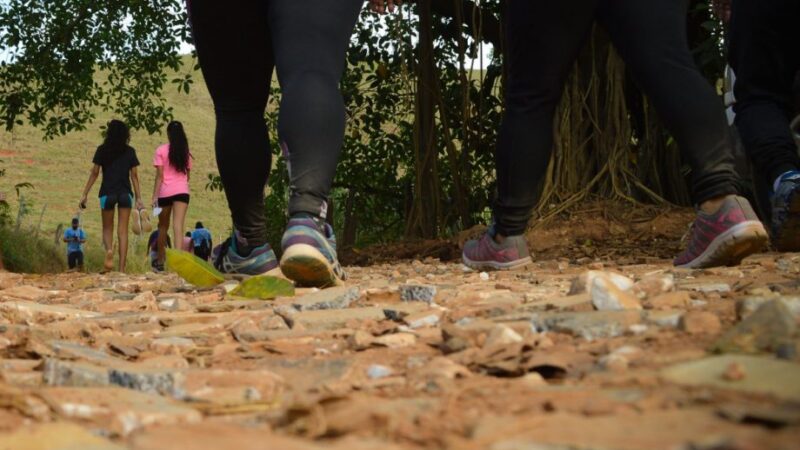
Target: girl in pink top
(173, 163)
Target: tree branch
(487, 23)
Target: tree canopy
(52, 53)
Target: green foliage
(23, 251)
(420, 134)
(708, 48)
(193, 269)
(276, 206)
(4, 206)
(53, 51)
(377, 167)
(379, 162)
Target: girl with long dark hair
(118, 163)
(173, 163)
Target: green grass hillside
(59, 168)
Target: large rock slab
(589, 325)
(332, 298)
(9, 280)
(55, 436)
(33, 310)
(23, 292)
(75, 374)
(764, 331)
(748, 305)
(79, 374)
(116, 410)
(72, 350)
(231, 387)
(331, 319)
(760, 375)
(417, 293)
(214, 436)
(656, 430)
(583, 283)
(308, 373)
(607, 296)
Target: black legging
(765, 57)
(238, 42)
(544, 38)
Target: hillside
(59, 168)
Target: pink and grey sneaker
(725, 237)
(486, 253)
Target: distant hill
(59, 168)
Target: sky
(187, 48)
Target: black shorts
(202, 252)
(75, 259)
(168, 201)
(111, 201)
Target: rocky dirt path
(418, 354)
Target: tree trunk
(350, 221)
(425, 212)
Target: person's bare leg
(122, 237)
(108, 238)
(178, 221)
(163, 229)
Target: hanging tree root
(595, 147)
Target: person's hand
(82, 203)
(139, 204)
(154, 202)
(381, 6)
(722, 9)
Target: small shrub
(25, 252)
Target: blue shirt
(200, 235)
(73, 238)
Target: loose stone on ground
(411, 355)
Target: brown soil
(602, 231)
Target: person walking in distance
(118, 162)
(75, 237)
(201, 238)
(238, 44)
(173, 163)
(543, 40)
(186, 242)
(152, 248)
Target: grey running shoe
(309, 253)
(227, 260)
(486, 253)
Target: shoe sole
(732, 246)
(789, 233)
(492, 265)
(308, 267)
